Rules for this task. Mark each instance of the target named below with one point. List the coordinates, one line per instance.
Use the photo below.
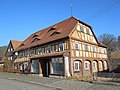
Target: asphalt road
(12, 81)
(6, 84)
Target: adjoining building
(68, 48)
(10, 52)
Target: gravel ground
(28, 82)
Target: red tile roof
(52, 33)
(15, 43)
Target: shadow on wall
(116, 70)
(114, 65)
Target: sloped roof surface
(15, 43)
(54, 32)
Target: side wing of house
(9, 52)
(85, 51)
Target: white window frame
(100, 64)
(78, 63)
(61, 45)
(105, 64)
(48, 49)
(94, 63)
(88, 65)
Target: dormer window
(35, 35)
(22, 44)
(53, 28)
(54, 33)
(36, 39)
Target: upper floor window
(32, 52)
(53, 48)
(48, 49)
(39, 50)
(56, 47)
(61, 47)
(10, 49)
(100, 50)
(87, 31)
(26, 52)
(21, 54)
(81, 28)
(94, 49)
(76, 46)
(86, 47)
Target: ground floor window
(76, 65)
(57, 65)
(105, 64)
(35, 66)
(87, 65)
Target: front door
(45, 68)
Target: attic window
(35, 35)
(54, 33)
(22, 44)
(36, 39)
(53, 28)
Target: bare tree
(118, 42)
(110, 41)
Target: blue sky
(21, 18)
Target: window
(87, 31)
(20, 54)
(100, 49)
(10, 58)
(35, 66)
(11, 49)
(57, 65)
(56, 47)
(81, 28)
(53, 48)
(31, 52)
(54, 33)
(105, 64)
(87, 65)
(36, 39)
(39, 50)
(48, 49)
(26, 52)
(86, 47)
(100, 64)
(76, 65)
(94, 64)
(8, 49)
(76, 46)
(94, 49)
(61, 47)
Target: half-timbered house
(68, 48)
